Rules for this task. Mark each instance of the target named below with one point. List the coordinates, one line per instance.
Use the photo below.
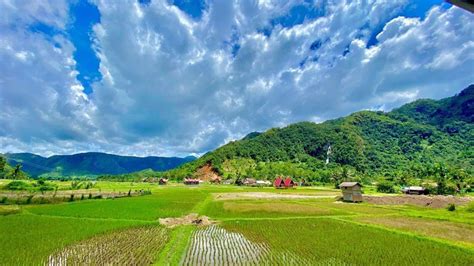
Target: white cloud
(172, 86)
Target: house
(263, 183)
(228, 182)
(249, 181)
(415, 190)
(216, 180)
(283, 183)
(191, 181)
(351, 191)
(163, 181)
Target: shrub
(18, 185)
(451, 207)
(385, 187)
(3, 200)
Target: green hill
(406, 141)
(91, 163)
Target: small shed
(351, 191)
(415, 190)
(163, 181)
(284, 183)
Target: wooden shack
(351, 191)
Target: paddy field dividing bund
(250, 226)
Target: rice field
(214, 245)
(135, 246)
(324, 240)
(283, 231)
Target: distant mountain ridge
(91, 163)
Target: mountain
(91, 163)
(370, 144)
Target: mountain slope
(372, 143)
(91, 163)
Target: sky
(178, 78)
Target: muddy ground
(418, 200)
(190, 219)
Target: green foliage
(18, 185)
(404, 145)
(386, 187)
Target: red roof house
(278, 182)
(287, 183)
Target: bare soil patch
(418, 200)
(268, 195)
(190, 219)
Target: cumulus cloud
(175, 85)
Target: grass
(170, 202)
(460, 233)
(289, 231)
(134, 246)
(9, 209)
(30, 239)
(327, 240)
(236, 209)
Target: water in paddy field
(214, 245)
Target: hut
(263, 183)
(228, 182)
(415, 190)
(284, 183)
(351, 191)
(249, 181)
(163, 181)
(191, 181)
(215, 180)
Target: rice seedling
(326, 240)
(213, 245)
(135, 246)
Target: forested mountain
(406, 141)
(91, 163)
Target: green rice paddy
(282, 231)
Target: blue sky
(184, 77)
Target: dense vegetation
(424, 140)
(91, 163)
(9, 172)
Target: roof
(350, 184)
(416, 188)
(278, 181)
(288, 182)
